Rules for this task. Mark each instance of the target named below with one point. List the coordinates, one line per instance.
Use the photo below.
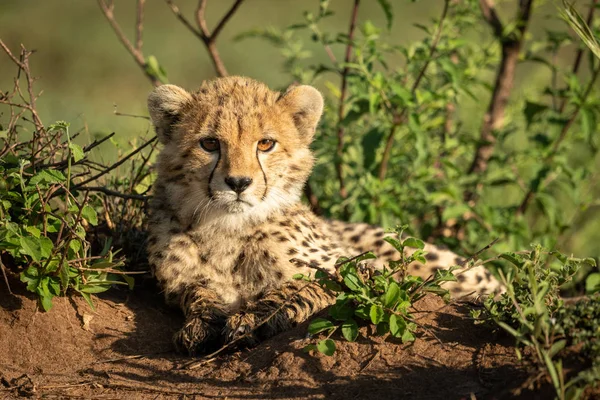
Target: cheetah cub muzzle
(227, 228)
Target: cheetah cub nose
(238, 184)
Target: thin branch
(138, 56)
(139, 25)
(225, 19)
(561, 137)
(114, 193)
(5, 277)
(399, 119)
(203, 33)
(177, 12)
(115, 165)
(340, 131)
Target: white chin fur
(226, 213)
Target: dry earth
(123, 350)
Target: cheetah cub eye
(266, 145)
(210, 145)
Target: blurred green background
(84, 71)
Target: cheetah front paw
(196, 337)
(241, 328)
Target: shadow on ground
(124, 349)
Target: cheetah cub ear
(305, 103)
(165, 104)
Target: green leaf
(395, 243)
(94, 288)
(47, 176)
(90, 214)
(35, 232)
(444, 275)
(320, 325)
(391, 295)
(154, 69)
(350, 330)
(353, 282)
(397, 325)
(376, 313)
(88, 299)
(341, 311)
(76, 152)
(592, 283)
(31, 246)
(31, 276)
(413, 243)
(326, 347)
(408, 335)
(556, 347)
(387, 10)
(46, 246)
(46, 302)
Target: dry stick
(494, 117)
(23, 65)
(563, 134)
(399, 118)
(115, 165)
(137, 54)
(340, 130)
(5, 277)
(203, 33)
(115, 193)
(139, 25)
(580, 51)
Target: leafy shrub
(49, 223)
(533, 312)
(383, 298)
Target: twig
(561, 137)
(132, 357)
(136, 53)
(399, 118)
(139, 25)
(340, 130)
(368, 363)
(203, 33)
(115, 193)
(115, 165)
(3, 268)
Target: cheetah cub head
(234, 151)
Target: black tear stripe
(264, 196)
(210, 193)
(239, 127)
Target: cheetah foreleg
(277, 311)
(205, 316)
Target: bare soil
(123, 350)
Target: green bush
(51, 234)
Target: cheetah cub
(227, 227)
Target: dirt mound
(124, 350)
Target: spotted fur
(227, 256)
